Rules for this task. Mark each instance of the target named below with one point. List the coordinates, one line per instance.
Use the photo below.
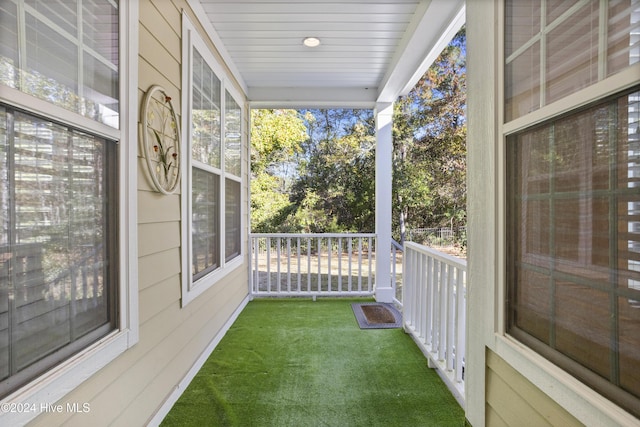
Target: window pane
(51, 69)
(4, 242)
(574, 244)
(100, 36)
(232, 219)
(232, 135)
(555, 8)
(572, 53)
(522, 91)
(101, 90)
(583, 325)
(629, 325)
(532, 305)
(205, 232)
(205, 113)
(582, 153)
(62, 13)
(523, 23)
(56, 245)
(100, 30)
(8, 44)
(623, 35)
(58, 65)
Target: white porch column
(384, 152)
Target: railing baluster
(360, 264)
(435, 307)
(461, 323)
(417, 290)
(279, 274)
(406, 287)
(308, 264)
(431, 271)
(256, 265)
(394, 260)
(252, 265)
(329, 249)
(370, 257)
(268, 247)
(419, 294)
(299, 287)
(450, 317)
(288, 264)
(443, 313)
(350, 263)
(339, 264)
(422, 297)
(319, 287)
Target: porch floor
(294, 362)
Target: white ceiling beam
(287, 97)
(429, 35)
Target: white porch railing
(396, 275)
(312, 264)
(434, 310)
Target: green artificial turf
(303, 363)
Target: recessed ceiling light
(311, 42)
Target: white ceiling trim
(415, 57)
(262, 37)
(448, 35)
(197, 8)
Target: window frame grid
(548, 350)
(541, 37)
(81, 366)
(111, 244)
(81, 50)
(536, 366)
(191, 288)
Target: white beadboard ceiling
(371, 50)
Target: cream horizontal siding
(132, 388)
(202, 323)
(158, 236)
(513, 401)
(155, 207)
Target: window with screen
(573, 190)
(214, 182)
(58, 183)
(65, 53)
(554, 48)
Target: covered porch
(349, 54)
(183, 269)
(369, 54)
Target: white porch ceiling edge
(371, 50)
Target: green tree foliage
(314, 170)
(335, 190)
(276, 138)
(430, 145)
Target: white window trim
(191, 290)
(53, 385)
(577, 398)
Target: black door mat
(376, 315)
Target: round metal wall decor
(161, 139)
